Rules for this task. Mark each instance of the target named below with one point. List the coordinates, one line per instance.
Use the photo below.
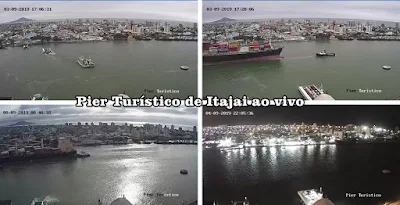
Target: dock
(309, 197)
(313, 92)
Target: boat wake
(105, 76)
(257, 82)
(35, 82)
(299, 57)
(50, 200)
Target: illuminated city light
(253, 142)
(225, 143)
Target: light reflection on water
(110, 173)
(279, 162)
(275, 174)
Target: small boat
(386, 171)
(387, 67)
(123, 95)
(82, 155)
(185, 67)
(39, 97)
(184, 171)
(245, 202)
(48, 51)
(85, 62)
(37, 201)
(25, 46)
(324, 53)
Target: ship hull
(242, 57)
(35, 157)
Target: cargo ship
(232, 52)
(33, 153)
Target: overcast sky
(60, 114)
(175, 11)
(366, 10)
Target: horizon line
(238, 20)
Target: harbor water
(273, 175)
(111, 172)
(357, 65)
(133, 67)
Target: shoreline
(89, 41)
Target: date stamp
(27, 9)
(229, 113)
(229, 9)
(24, 112)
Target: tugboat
(323, 53)
(387, 67)
(185, 67)
(48, 51)
(85, 62)
(82, 155)
(184, 171)
(39, 97)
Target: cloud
(173, 11)
(60, 114)
(366, 10)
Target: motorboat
(39, 97)
(37, 201)
(184, 171)
(123, 95)
(48, 51)
(82, 155)
(85, 62)
(387, 67)
(324, 53)
(185, 67)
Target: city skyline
(61, 114)
(373, 11)
(381, 116)
(171, 11)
